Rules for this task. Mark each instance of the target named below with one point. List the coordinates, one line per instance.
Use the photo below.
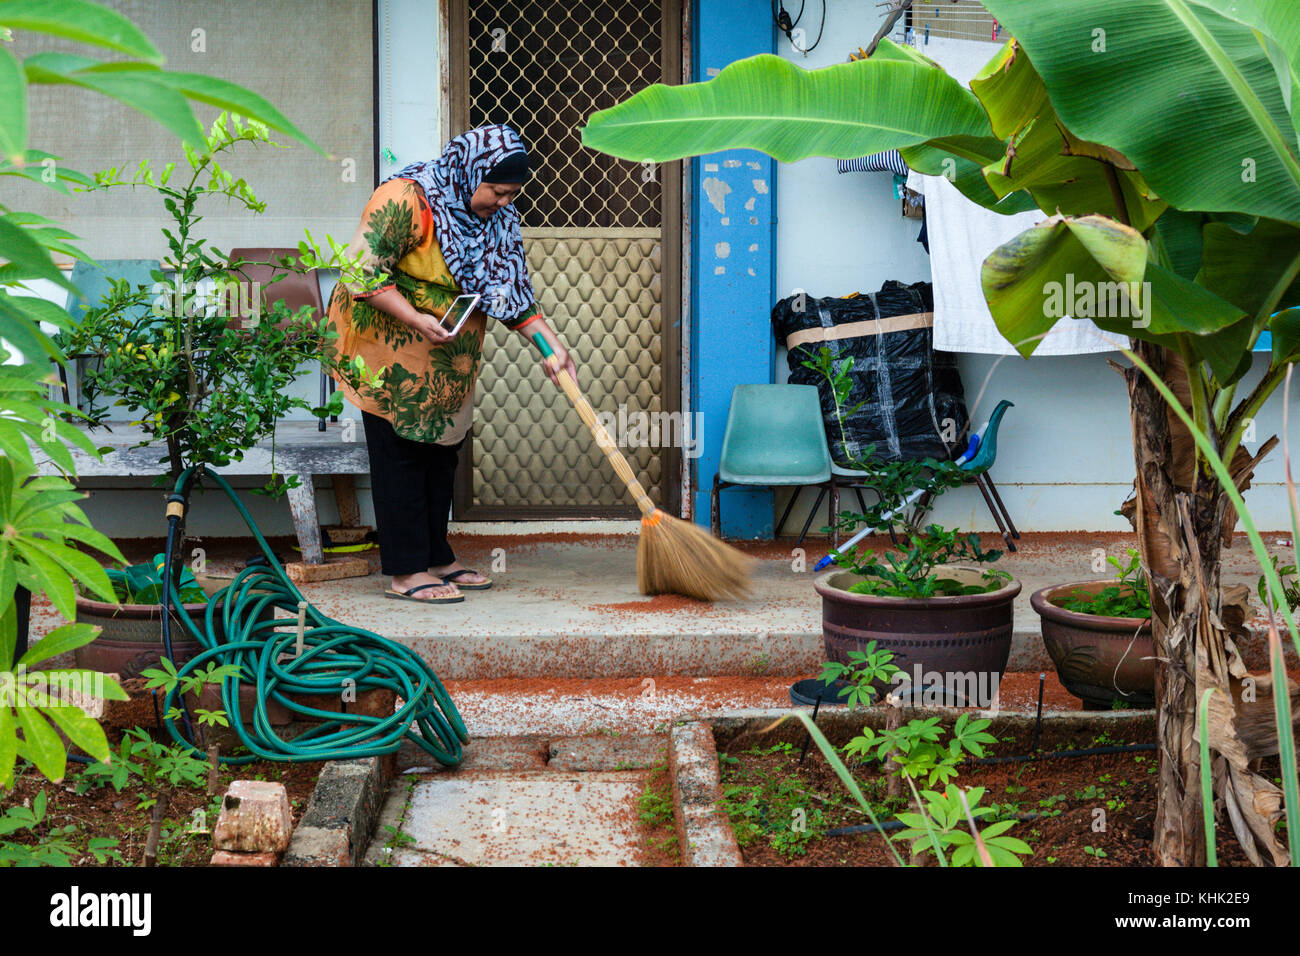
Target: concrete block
(231, 858)
(346, 805)
(254, 818)
(703, 831)
(316, 846)
(332, 570)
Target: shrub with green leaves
(52, 846)
(205, 381)
(863, 675)
(945, 821)
(915, 750)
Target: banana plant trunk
(1174, 561)
(1182, 526)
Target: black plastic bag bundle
(913, 405)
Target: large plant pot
(1099, 659)
(953, 650)
(130, 637)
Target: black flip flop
(451, 579)
(410, 595)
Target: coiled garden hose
(336, 660)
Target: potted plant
(1098, 634)
(130, 640)
(946, 621)
(206, 371)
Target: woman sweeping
(437, 229)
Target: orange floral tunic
(428, 388)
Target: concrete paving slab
(523, 819)
(605, 753)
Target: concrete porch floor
(565, 605)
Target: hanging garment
(888, 161)
(961, 234)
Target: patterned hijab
(485, 256)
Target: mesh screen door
(603, 240)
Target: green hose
(335, 658)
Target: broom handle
(598, 431)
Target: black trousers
(411, 483)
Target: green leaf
(1204, 120)
(28, 255)
(1179, 233)
(1043, 273)
(41, 745)
(237, 99)
(136, 85)
(1285, 327)
(82, 730)
(1253, 270)
(1010, 90)
(61, 640)
(81, 21)
(13, 107)
(8, 746)
(766, 103)
(49, 577)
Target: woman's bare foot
(404, 582)
(472, 578)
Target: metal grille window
(543, 68)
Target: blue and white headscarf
(485, 256)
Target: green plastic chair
(774, 437)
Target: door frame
(453, 74)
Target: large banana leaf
(1278, 24)
(1022, 278)
(1190, 96)
(1255, 271)
(769, 104)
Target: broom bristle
(677, 557)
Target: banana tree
(1159, 139)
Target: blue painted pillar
(733, 269)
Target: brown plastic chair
(294, 289)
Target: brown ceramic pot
(949, 640)
(1099, 659)
(130, 637)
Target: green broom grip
(543, 346)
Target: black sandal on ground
(451, 579)
(410, 595)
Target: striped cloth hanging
(888, 161)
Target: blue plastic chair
(94, 282)
(977, 471)
(774, 437)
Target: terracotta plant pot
(130, 639)
(953, 650)
(1099, 659)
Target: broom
(673, 556)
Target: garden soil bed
(763, 785)
(101, 812)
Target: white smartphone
(458, 312)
